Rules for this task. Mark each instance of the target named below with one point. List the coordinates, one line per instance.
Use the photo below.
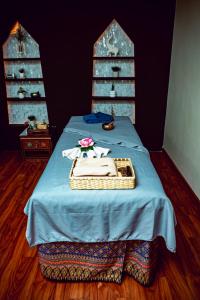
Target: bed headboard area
(113, 80)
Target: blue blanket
(57, 213)
(98, 117)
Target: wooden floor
(20, 277)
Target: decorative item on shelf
(112, 50)
(32, 124)
(21, 38)
(21, 93)
(10, 75)
(112, 91)
(35, 94)
(116, 71)
(21, 73)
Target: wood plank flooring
(20, 277)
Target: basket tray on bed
(124, 180)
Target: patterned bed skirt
(66, 261)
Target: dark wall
(66, 34)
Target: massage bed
(92, 235)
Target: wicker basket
(105, 182)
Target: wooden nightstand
(35, 146)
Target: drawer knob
(29, 144)
(43, 144)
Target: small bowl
(108, 126)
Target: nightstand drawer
(44, 144)
(36, 144)
(35, 147)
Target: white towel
(76, 152)
(95, 167)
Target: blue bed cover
(58, 213)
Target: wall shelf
(21, 58)
(112, 98)
(23, 79)
(113, 81)
(26, 99)
(113, 78)
(17, 55)
(113, 57)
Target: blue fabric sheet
(57, 213)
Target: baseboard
(183, 178)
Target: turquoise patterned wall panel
(103, 68)
(120, 108)
(23, 72)
(114, 73)
(124, 88)
(18, 112)
(11, 46)
(31, 70)
(115, 36)
(29, 87)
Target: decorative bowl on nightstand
(42, 126)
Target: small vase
(21, 95)
(113, 93)
(115, 73)
(21, 75)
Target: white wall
(182, 127)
